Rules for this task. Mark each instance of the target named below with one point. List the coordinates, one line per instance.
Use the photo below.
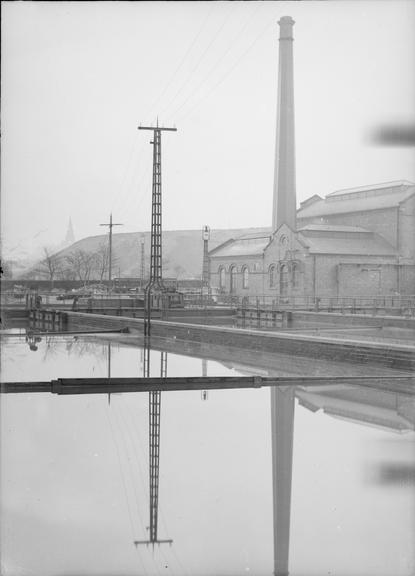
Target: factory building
(355, 242)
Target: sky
(78, 78)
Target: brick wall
(407, 280)
(255, 266)
(407, 228)
(330, 275)
(383, 222)
(367, 279)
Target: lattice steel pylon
(155, 283)
(154, 413)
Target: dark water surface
(75, 485)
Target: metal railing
(323, 303)
(345, 304)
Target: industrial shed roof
(357, 200)
(330, 228)
(372, 187)
(357, 242)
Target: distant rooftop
(392, 185)
(348, 240)
(362, 199)
(329, 228)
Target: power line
(117, 195)
(119, 198)
(133, 204)
(121, 473)
(183, 59)
(221, 57)
(196, 66)
(229, 72)
(120, 417)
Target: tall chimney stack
(284, 200)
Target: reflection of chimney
(282, 427)
(284, 201)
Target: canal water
(75, 472)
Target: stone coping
(275, 335)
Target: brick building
(357, 242)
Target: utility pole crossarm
(157, 128)
(147, 542)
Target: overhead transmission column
(155, 282)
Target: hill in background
(182, 250)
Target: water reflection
(282, 430)
(219, 457)
(32, 341)
(384, 410)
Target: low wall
(335, 319)
(11, 312)
(347, 350)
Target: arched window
(295, 275)
(284, 280)
(222, 277)
(245, 277)
(232, 279)
(272, 274)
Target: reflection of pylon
(204, 393)
(109, 369)
(142, 263)
(154, 449)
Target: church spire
(70, 237)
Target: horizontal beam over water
(35, 332)
(400, 384)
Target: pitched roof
(372, 187)
(330, 228)
(359, 199)
(345, 240)
(249, 245)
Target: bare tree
(6, 269)
(82, 264)
(49, 266)
(102, 261)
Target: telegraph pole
(205, 269)
(142, 262)
(155, 280)
(110, 224)
(205, 288)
